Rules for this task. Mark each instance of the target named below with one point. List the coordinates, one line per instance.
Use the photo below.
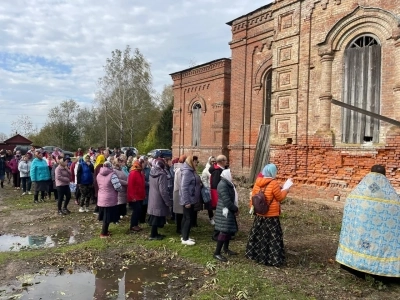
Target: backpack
(260, 203)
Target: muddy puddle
(9, 242)
(133, 282)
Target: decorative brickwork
(209, 86)
(303, 43)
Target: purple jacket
(13, 165)
(123, 179)
(190, 186)
(159, 199)
(62, 176)
(107, 195)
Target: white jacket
(24, 168)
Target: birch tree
(124, 90)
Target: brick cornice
(205, 69)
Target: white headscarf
(226, 174)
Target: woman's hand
(187, 205)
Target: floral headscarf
(137, 166)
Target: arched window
(196, 124)
(361, 88)
(267, 97)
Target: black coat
(215, 172)
(226, 198)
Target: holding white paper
(287, 184)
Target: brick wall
(321, 171)
(303, 43)
(295, 39)
(207, 84)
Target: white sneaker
(190, 239)
(29, 193)
(23, 194)
(86, 209)
(212, 222)
(188, 242)
(81, 209)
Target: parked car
(50, 150)
(135, 151)
(163, 153)
(22, 148)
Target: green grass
(19, 202)
(310, 232)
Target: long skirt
(265, 243)
(41, 186)
(109, 214)
(157, 221)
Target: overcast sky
(53, 50)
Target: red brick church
(295, 65)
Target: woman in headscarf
(265, 244)
(123, 179)
(136, 193)
(205, 179)
(369, 238)
(97, 166)
(159, 200)
(108, 188)
(189, 196)
(177, 207)
(225, 214)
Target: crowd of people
(154, 189)
(158, 188)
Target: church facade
(295, 65)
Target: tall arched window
(267, 97)
(361, 88)
(196, 124)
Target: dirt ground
(311, 233)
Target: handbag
(205, 194)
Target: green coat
(226, 198)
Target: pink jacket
(107, 195)
(62, 176)
(13, 165)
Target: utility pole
(106, 129)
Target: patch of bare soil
(42, 220)
(311, 232)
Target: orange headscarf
(137, 166)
